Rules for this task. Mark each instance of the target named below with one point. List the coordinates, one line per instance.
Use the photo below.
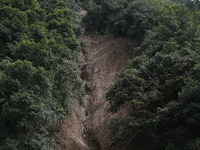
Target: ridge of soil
(100, 62)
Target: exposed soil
(82, 13)
(102, 59)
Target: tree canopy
(39, 79)
(161, 82)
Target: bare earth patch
(102, 59)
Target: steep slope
(102, 59)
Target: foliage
(194, 5)
(138, 17)
(129, 17)
(123, 17)
(39, 79)
(100, 11)
(161, 84)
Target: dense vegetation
(162, 81)
(38, 73)
(39, 77)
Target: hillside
(101, 60)
(131, 81)
(39, 78)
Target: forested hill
(39, 79)
(38, 73)
(162, 81)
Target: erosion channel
(100, 62)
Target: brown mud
(100, 63)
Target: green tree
(20, 4)
(13, 23)
(161, 85)
(24, 106)
(39, 79)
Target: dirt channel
(100, 62)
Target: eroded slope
(102, 59)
